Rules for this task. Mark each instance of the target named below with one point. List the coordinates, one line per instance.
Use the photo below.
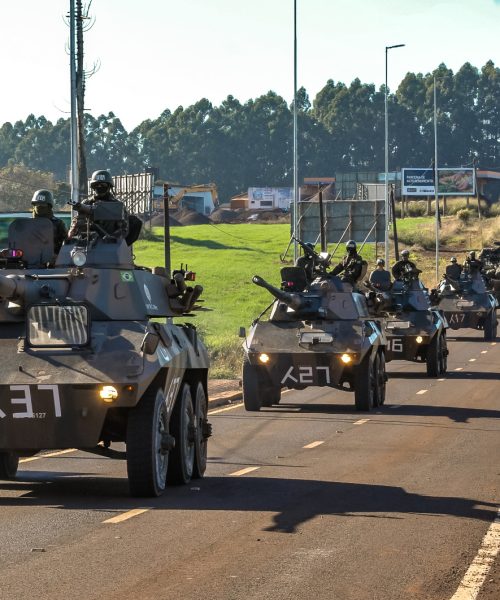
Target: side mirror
(150, 343)
(242, 333)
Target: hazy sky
(158, 54)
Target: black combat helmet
(405, 254)
(350, 246)
(42, 197)
(99, 177)
(380, 262)
(453, 259)
(472, 255)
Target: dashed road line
(127, 515)
(243, 471)
(472, 359)
(459, 369)
(314, 444)
(493, 343)
(49, 455)
(420, 392)
(442, 379)
(484, 351)
(361, 422)
(473, 580)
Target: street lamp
(436, 182)
(386, 205)
(295, 157)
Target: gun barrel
(294, 301)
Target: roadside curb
(224, 398)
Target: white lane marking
(49, 455)
(221, 410)
(484, 351)
(127, 515)
(314, 444)
(420, 392)
(472, 360)
(443, 379)
(243, 471)
(493, 343)
(459, 369)
(361, 422)
(471, 584)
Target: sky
(150, 55)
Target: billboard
(270, 198)
(451, 182)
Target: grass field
(225, 257)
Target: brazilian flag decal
(127, 276)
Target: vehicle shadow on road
(292, 501)
(486, 375)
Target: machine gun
(304, 303)
(314, 263)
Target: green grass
(225, 258)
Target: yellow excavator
(182, 199)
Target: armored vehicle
(319, 333)
(490, 257)
(87, 361)
(415, 331)
(467, 303)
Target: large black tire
(258, 391)
(490, 327)
(202, 432)
(147, 445)
(365, 384)
(182, 427)
(380, 380)
(433, 357)
(9, 461)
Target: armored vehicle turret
(490, 257)
(87, 361)
(319, 333)
(415, 330)
(467, 303)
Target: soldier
(42, 205)
(101, 184)
(351, 264)
(403, 266)
(453, 270)
(380, 278)
(472, 265)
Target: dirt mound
(185, 216)
(222, 215)
(159, 221)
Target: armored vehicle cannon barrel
(294, 301)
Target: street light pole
(436, 183)
(386, 167)
(295, 158)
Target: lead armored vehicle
(86, 361)
(319, 333)
(415, 331)
(467, 303)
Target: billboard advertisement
(417, 182)
(451, 182)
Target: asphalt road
(308, 500)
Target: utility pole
(80, 102)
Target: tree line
(239, 145)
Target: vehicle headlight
(79, 257)
(419, 339)
(346, 358)
(264, 358)
(108, 393)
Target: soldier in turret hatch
(473, 265)
(101, 184)
(380, 278)
(42, 204)
(404, 266)
(351, 264)
(453, 270)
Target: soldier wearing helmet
(101, 184)
(404, 266)
(472, 265)
(42, 204)
(351, 264)
(380, 278)
(453, 270)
